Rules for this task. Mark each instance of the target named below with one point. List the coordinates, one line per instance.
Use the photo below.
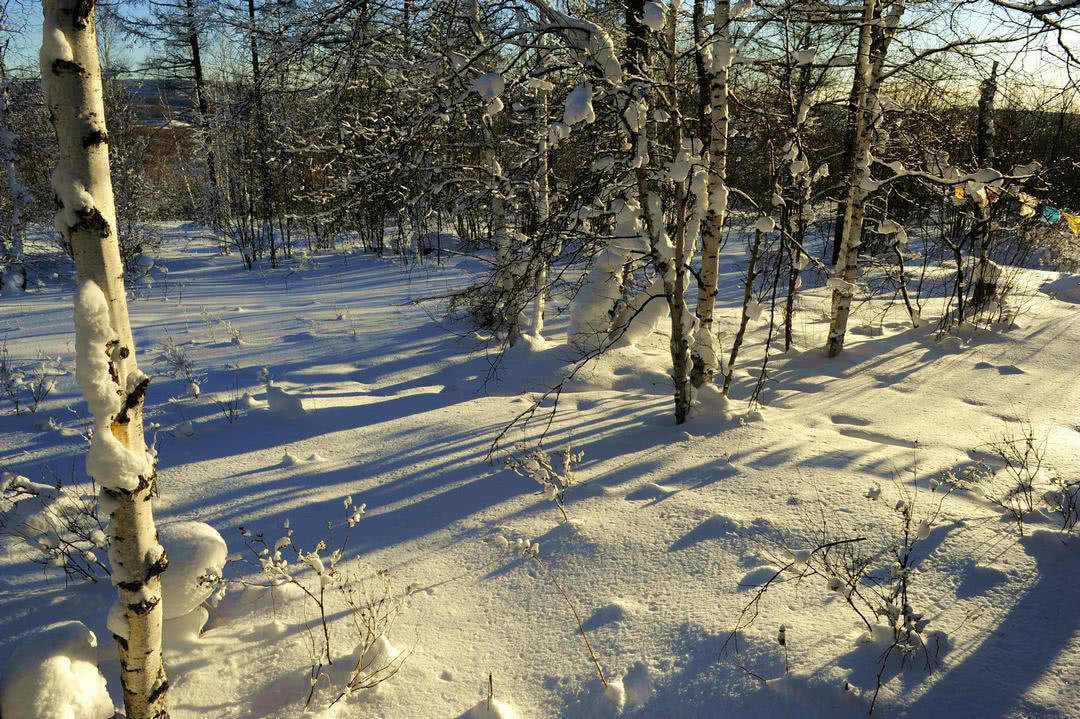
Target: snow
(53, 674)
(489, 85)
(196, 556)
(579, 107)
(667, 525)
(282, 403)
(653, 16)
(765, 224)
(491, 709)
(1065, 288)
(109, 462)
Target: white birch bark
(704, 346)
(13, 269)
(874, 37)
(543, 210)
(106, 370)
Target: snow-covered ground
(366, 396)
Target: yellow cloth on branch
(1074, 222)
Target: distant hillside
(159, 102)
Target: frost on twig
(537, 466)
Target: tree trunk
(12, 265)
(203, 103)
(984, 155)
(543, 210)
(704, 350)
(674, 269)
(261, 138)
(112, 383)
(875, 36)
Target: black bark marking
(135, 399)
(91, 221)
(144, 607)
(62, 67)
(121, 641)
(80, 14)
(158, 691)
(96, 137)
(130, 586)
(159, 566)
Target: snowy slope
(667, 525)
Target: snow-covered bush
(196, 560)
(174, 361)
(53, 674)
(536, 465)
(372, 603)
(59, 526)
(1025, 480)
(26, 386)
(874, 577)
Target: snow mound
(491, 709)
(53, 674)
(282, 403)
(1065, 288)
(196, 558)
(598, 701)
(380, 655)
(185, 629)
(637, 684)
(614, 613)
(758, 576)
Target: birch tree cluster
(598, 158)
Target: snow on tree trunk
(675, 266)
(874, 38)
(508, 289)
(112, 384)
(595, 302)
(543, 210)
(704, 347)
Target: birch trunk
(112, 383)
(543, 210)
(12, 266)
(875, 36)
(984, 155)
(675, 270)
(704, 347)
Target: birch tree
(704, 346)
(12, 265)
(112, 384)
(875, 36)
